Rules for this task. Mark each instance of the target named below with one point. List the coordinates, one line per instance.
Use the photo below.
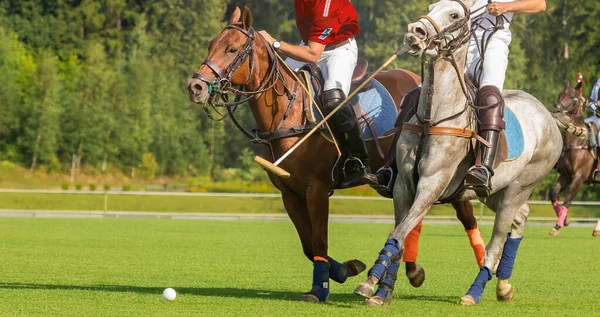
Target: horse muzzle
(197, 90)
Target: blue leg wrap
(509, 255)
(320, 285)
(386, 286)
(337, 271)
(478, 286)
(384, 260)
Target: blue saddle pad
(514, 135)
(378, 108)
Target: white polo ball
(169, 294)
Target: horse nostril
(197, 88)
(420, 31)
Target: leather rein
(219, 88)
(447, 44)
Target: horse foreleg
(578, 180)
(295, 206)
(317, 202)
(464, 213)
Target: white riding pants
(337, 66)
(495, 60)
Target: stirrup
(596, 175)
(481, 187)
(379, 185)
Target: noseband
(222, 82)
(441, 35)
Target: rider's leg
(491, 104)
(383, 180)
(337, 67)
(348, 133)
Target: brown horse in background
(578, 161)
(239, 57)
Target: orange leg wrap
(411, 244)
(477, 244)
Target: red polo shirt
(326, 21)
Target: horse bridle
(442, 34)
(219, 88)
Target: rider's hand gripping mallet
(275, 169)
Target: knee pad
(491, 104)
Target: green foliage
(92, 187)
(78, 186)
(65, 186)
(104, 81)
(106, 188)
(126, 188)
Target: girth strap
(450, 131)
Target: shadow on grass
(338, 300)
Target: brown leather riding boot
(490, 114)
(383, 180)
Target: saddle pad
(514, 135)
(378, 108)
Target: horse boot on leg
(320, 287)
(383, 179)
(347, 131)
(490, 113)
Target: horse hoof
(554, 232)
(310, 298)
(355, 267)
(505, 296)
(374, 301)
(596, 233)
(467, 300)
(416, 277)
(365, 289)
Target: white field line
(237, 195)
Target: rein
(222, 85)
(446, 48)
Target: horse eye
(454, 16)
(232, 50)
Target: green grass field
(119, 267)
(229, 205)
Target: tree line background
(100, 84)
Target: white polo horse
(436, 143)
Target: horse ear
(578, 86)
(235, 16)
(247, 18)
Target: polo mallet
(275, 169)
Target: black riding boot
(491, 104)
(348, 134)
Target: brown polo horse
(577, 162)
(241, 62)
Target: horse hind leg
(414, 272)
(505, 291)
(464, 213)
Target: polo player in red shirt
(327, 28)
